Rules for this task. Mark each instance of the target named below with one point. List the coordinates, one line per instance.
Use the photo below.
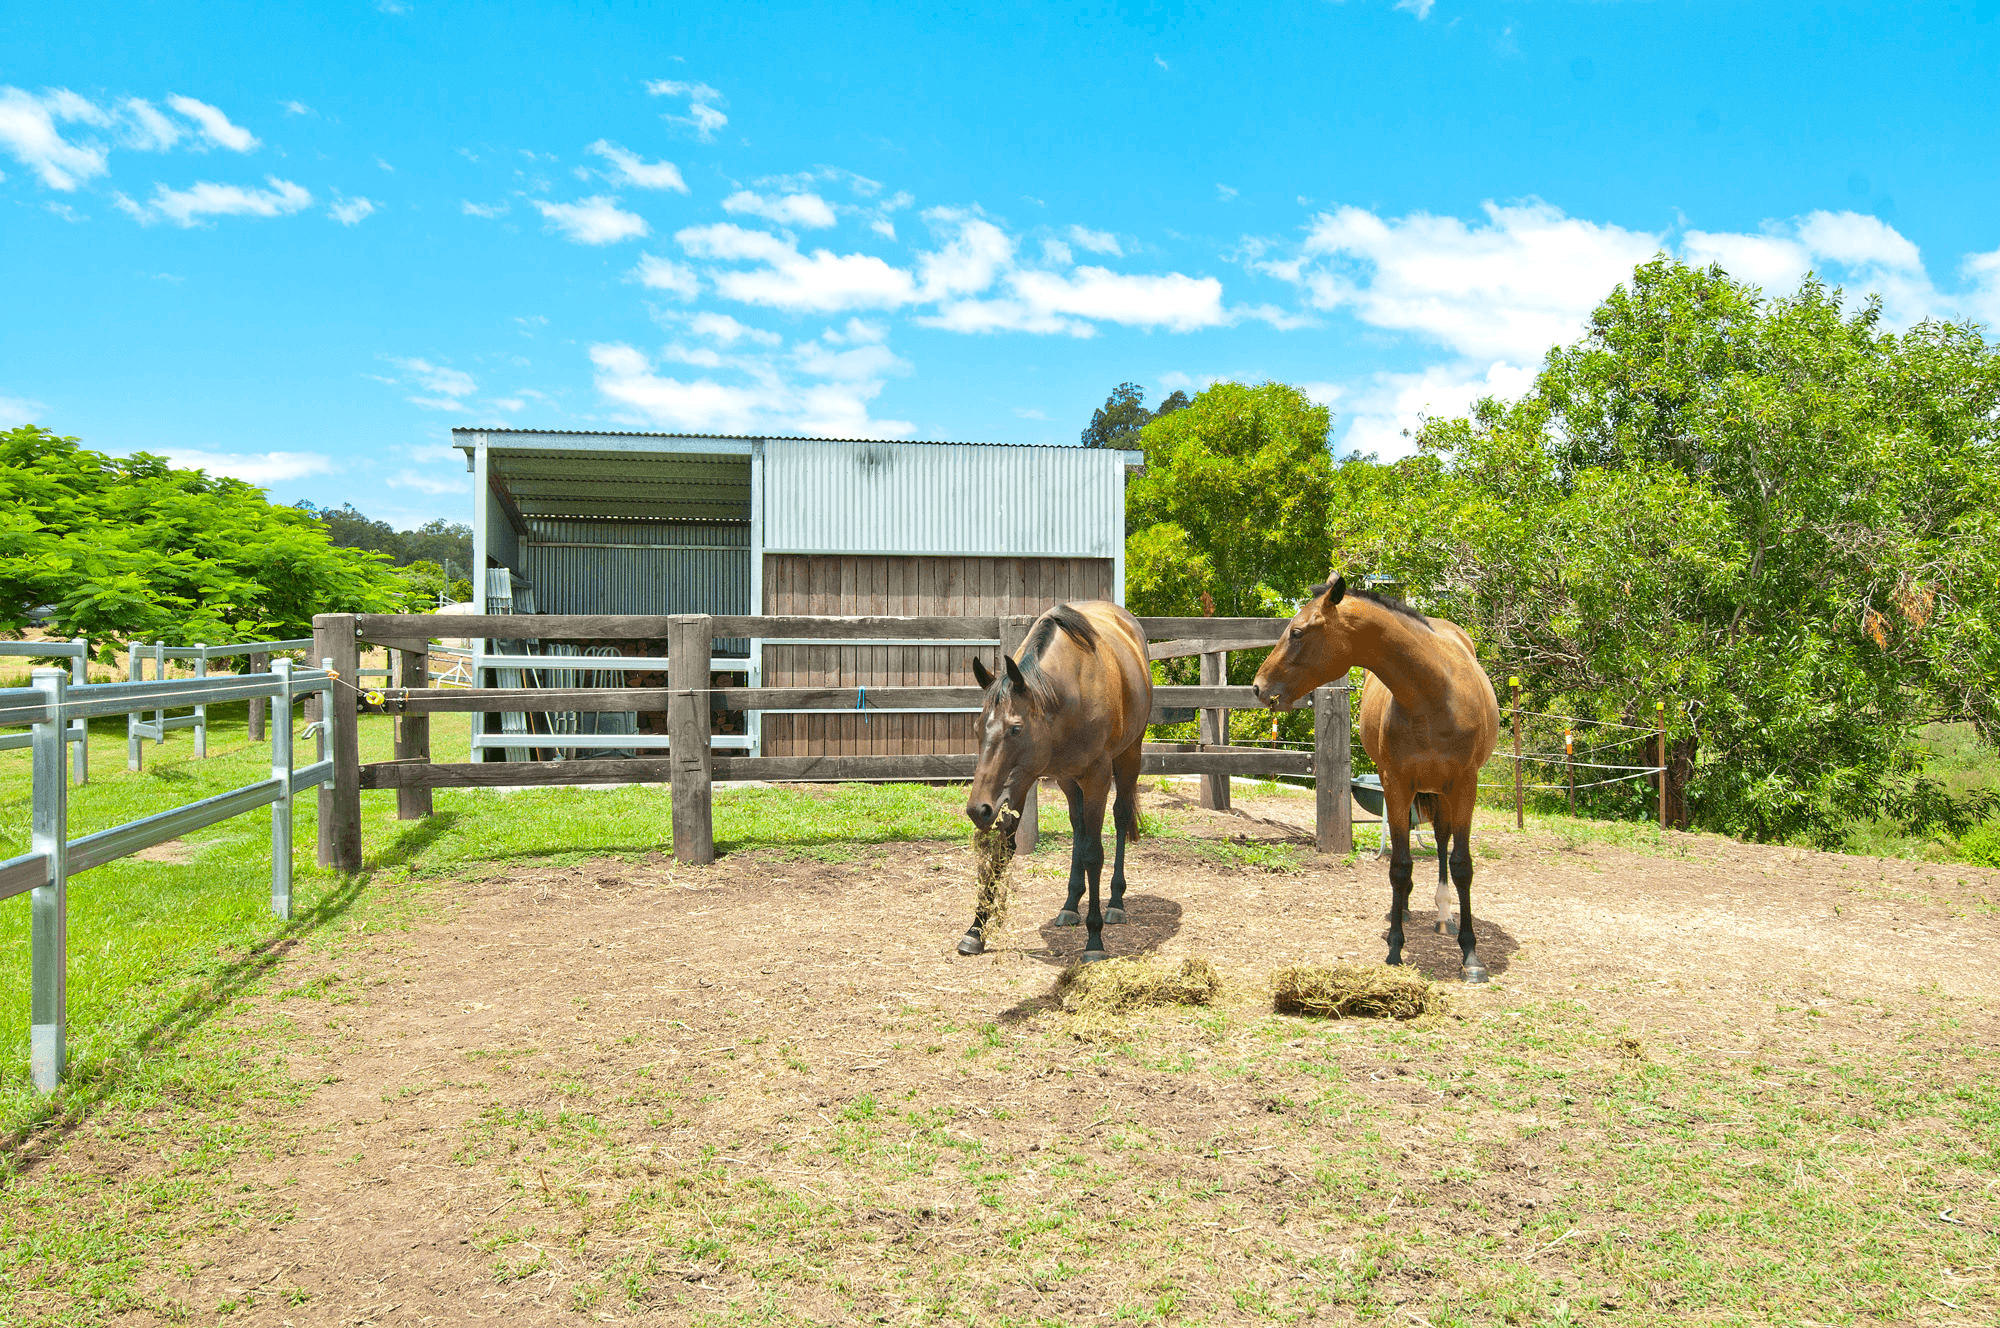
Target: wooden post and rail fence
(691, 767)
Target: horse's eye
(1015, 729)
(1298, 633)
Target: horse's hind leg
(1125, 817)
(1441, 830)
(1068, 917)
(1461, 875)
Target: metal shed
(648, 523)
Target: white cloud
(146, 129)
(1097, 242)
(630, 168)
(436, 483)
(1856, 240)
(449, 384)
(726, 330)
(28, 133)
(656, 273)
(1421, 8)
(594, 220)
(297, 108)
(1223, 193)
(822, 282)
(1983, 271)
(17, 411)
(1056, 254)
(254, 467)
(1510, 288)
(1390, 403)
(65, 211)
(703, 119)
(214, 125)
(188, 207)
(1050, 302)
(770, 399)
(806, 210)
(348, 211)
(472, 209)
(977, 253)
(1773, 262)
(1030, 413)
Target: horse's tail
(1425, 807)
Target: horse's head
(1014, 742)
(1313, 651)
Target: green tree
(438, 541)
(1772, 511)
(131, 548)
(1118, 421)
(1233, 505)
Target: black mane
(1388, 602)
(1074, 625)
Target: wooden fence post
(1028, 830)
(413, 735)
(1333, 770)
(259, 663)
(690, 643)
(340, 797)
(1215, 728)
(1520, 815)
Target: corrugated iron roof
(752, 438)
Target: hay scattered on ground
(992, 854)
(1354, 991)
(1118, 985)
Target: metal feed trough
(52, 706)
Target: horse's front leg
(1396, 797)
(1089, 841)
(1461, 874)
(1068, 917)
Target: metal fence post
(135, 746)
(48, 999)
(201, 711)
(160, 675)
(281, 769)
(79, 667)
(1333, 770)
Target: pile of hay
(1351, 991)
(993, 853)
(1117, 985)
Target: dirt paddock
(769, 1091)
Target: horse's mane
(1390, 603)
(1073, 625)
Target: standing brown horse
(1428, 720)
(1074, 707)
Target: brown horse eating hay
(1073, 707)
(1428, 720)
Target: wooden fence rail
(692, 767)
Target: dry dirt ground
(769, 1090)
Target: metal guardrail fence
(137, 729)
(52, 706)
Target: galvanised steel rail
(51, 706)
(78, 652)
(138, 729)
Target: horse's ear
(1337, 591)
(981, 672)
(1014, 674)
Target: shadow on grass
(411, 841)
(35, 1138)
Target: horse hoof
(1112, 915)
(971, 944)
(1448, 927)
(1474, 973)
(1068, 918)
(1094, 957)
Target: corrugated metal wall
(638, 566)
(900, 587)
(937, 498)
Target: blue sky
(300, 247)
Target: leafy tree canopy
(132, 548)
(1123, 416)
(1232, 511)
(1773, 512)
(437, 541)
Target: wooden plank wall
(902, 587)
